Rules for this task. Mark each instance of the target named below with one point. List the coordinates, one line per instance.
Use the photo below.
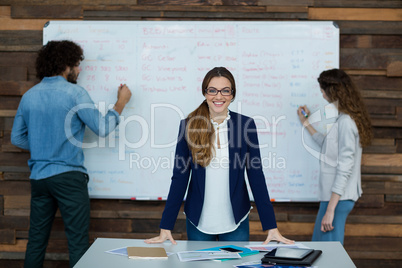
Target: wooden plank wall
(371, 52)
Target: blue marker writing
(304, 113)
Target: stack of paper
(146, 253)
(205, 255)
(271, 246)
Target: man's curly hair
(54, 57)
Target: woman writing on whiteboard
(341, 152)
(215, 146)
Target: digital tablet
(289, 253)
(230, 249)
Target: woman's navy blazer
(244, 154)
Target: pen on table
(304, 113)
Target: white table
(333, 254)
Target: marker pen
(304, 113)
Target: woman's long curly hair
(339, 87)
(199, 130)
(54, 57)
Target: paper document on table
(118, 251)
(243, 252)
(205, 255)
(123, 252)
(272, 246)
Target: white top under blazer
(217, 213)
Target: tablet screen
(289, 253)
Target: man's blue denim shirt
(50, 123)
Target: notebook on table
(146, 253)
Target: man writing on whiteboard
(50, 123)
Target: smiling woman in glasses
(215, 147)
(218, 100)
(226, 91)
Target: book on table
(146, 253)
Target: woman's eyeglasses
(226, 91)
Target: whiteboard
(275, 64)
